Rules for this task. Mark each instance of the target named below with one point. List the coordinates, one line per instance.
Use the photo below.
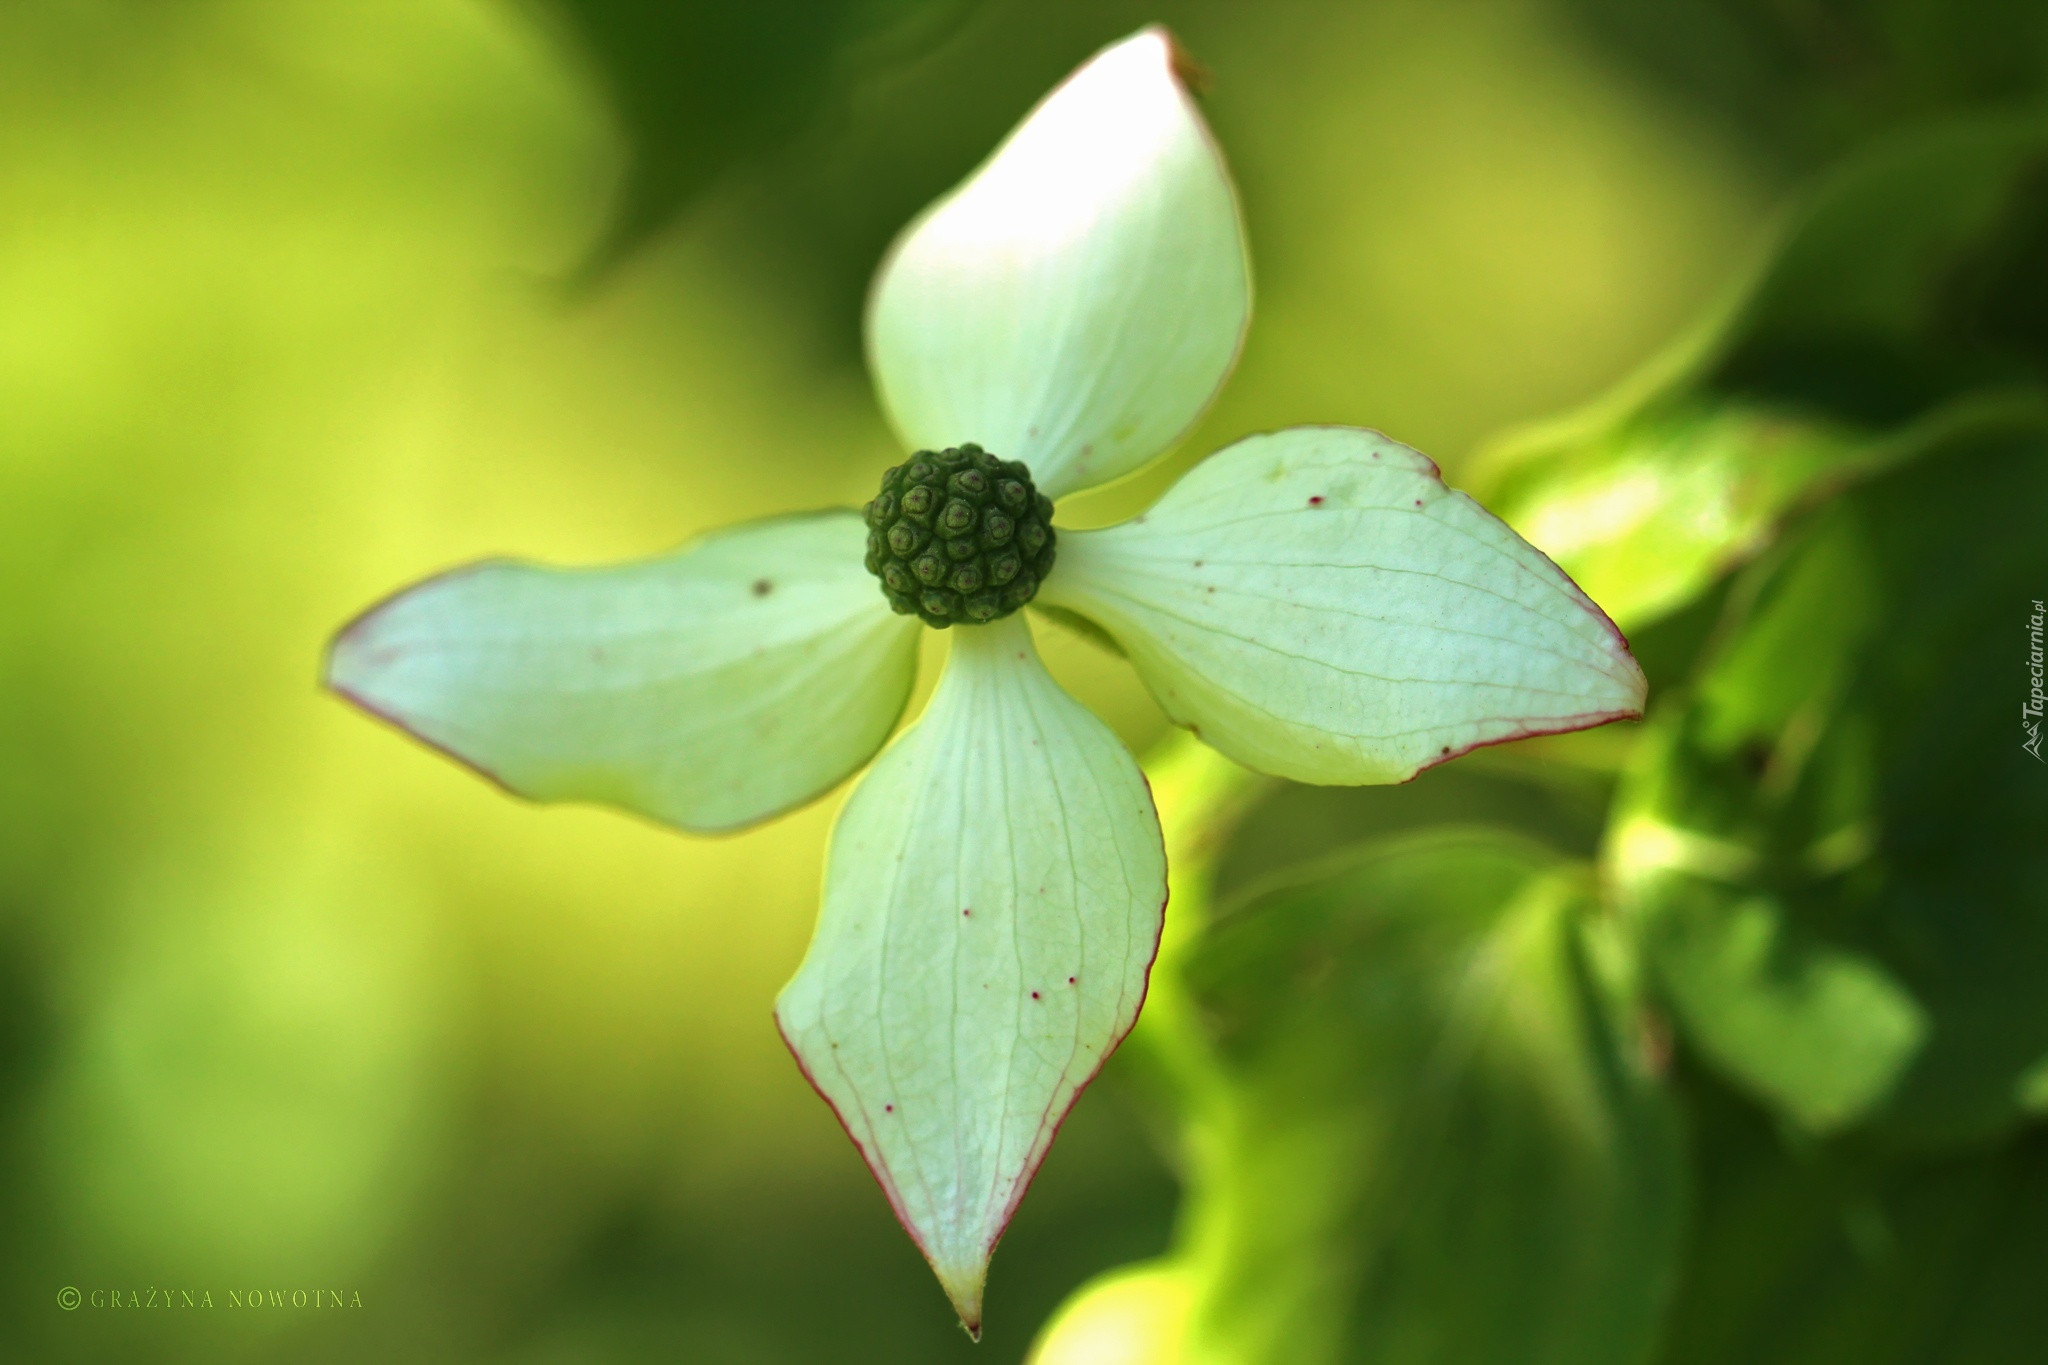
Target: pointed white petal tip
(963, 1286)
(962, 1279)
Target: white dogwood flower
(1315, 603)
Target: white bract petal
(1317, 605)
(993, 901)
(1077, 302)
(710, 688)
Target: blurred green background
(301, 301)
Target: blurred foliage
(1440, 1139)
(1834, 842)
(701, 87)
(1712, 1041)
(1908, 298)
(1821, 1254)
(1805, 78)
(1765, 1079)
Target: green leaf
(1807, 1255)
(993, 902)
(1291, 825)
(1821, 1030)
(1905, 300)
(1439, 1141)
(1647, 515)
(711, 688)
(1810, 76)
(1833, 845)
(1076, 303)
(699, 87)
(1317, 605)
(1914, 278)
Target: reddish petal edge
(362, 619)
(1565, 726)
(1030, 1171)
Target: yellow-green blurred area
(302, 301)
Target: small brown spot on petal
(1316, 501)
(762, 587)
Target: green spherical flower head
(959, 537)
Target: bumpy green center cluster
(959, 536)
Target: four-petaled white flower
(1315, 603)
